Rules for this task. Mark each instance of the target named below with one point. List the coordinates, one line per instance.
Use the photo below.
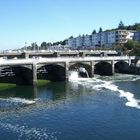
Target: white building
(122, 36)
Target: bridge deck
(4, 62)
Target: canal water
(101, 108)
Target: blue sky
(54, 20)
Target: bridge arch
(103, 68)
(122, 67)
(52, 72)
(18, 74)
(77, 65)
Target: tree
(100, 30)
(94, 32)
(44, 45)
(34, 46)
(131, 44)
(121, 25)
(136, 26)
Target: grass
(42, 82)
(5, 86)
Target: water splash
(74, 76)
(14, 103)
(99, 84)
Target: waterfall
(73, 75)
(84, 71)
(76, 75)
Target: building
(72, 43)
(103, 39)
(87, 41)
(137, 36)
(122, 36)
(95, 39)
(80, 41)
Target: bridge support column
(34, 69)
(66, 71)
(129, 61)
(113, 66)
(92, 68)
(25, 55)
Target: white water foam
(24, 101)
(73, 76)
(12, 103)
(98, 84)
(131, 100)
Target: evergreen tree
(100, 30)
(121, 25)
(94, 32)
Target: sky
(55, 20)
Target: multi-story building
(87, 41)
(80, 41)
(137, 36)
(122, 36)
(103, 39)
(111, 38)
(95, 40)
(72, 43)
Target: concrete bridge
(50, 54)
(27, 71)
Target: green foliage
(135, 26)
(132, 48)
(100, 30)
(94, 32)
(44, 45)
(121, 25)
(131, 44)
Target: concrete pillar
(34, 69)
(92, 68)
(82, 54)
(66, 70)
(129, 61)
(113, 66)
(25, 55)
(56, 54)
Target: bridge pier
(129, 61)
(34, 70)
(92, 68)
(66, 71)
(113, 66)
(25, 55)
